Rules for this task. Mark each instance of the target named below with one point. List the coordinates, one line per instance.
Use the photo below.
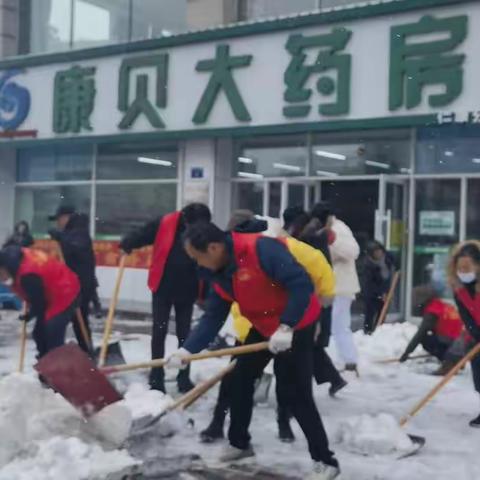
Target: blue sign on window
(196, 172)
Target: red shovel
(71, 373)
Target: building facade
(374, 108)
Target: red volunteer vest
(60, 284)
(449, 323)
(161, 248)
(260, 300)
(471, 304)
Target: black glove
(125, 245)
(403, 358)
(55, 234)
(25, 317)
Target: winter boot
(232, 454)
(352, 367)
(284, 430)
(214, 431)
(322, 471)
(335, 387)
(475, 423)
(183, 381)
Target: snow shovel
(388, 300)
(23, 344)
(187, 400)
(70, 372)
(111, 354)
(396, 360)
(83, 329)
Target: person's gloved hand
(403, 358)
(125, 246)
(54, 233)
(175, 362)
(281, 340)
(25, 317)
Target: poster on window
(437, 223)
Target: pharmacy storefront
(374, 108)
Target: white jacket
(344, 251)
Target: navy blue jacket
(280, 265)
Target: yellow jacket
(315, 264)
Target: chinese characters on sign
(73, 99)
(414, 64)
(299, 72)
(318, 71)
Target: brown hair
(470, 248)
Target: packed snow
(44, 437)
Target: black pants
(475, 363)
(435, 347)
(161, 308)
(293, 370)
(324, 370)
(373, 307)
(51, 334)
(325, 327)
(85, 300)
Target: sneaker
(213, 432)
(337, 386)
(285, 433)
(352, 367)
(475, 423)
(322, 471)
(232, 454)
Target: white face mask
(8, 282)
(468, 277)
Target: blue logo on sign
(14, 101)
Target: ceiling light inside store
(406, 170)
(385, 166)
(334, 156)
(476, 160)
(250, 175)
(245, 160)
(286, 166)
(155, 161)
(324, 173)
(448, 153)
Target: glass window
(119, 162)
(448, 149)
(60, 163)
(362, 154)
(272, 157)
(50, 25)
(437, 226)
(35, 204)
(274, 199)
(248, 196)
(258, 9)
(473, 212)
(154, 18)
(296, 194)
(100, 22)
(120, 208)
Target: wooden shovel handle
(395, 360)
(83, 329)
(111, 312)
(469, 356)
(224, 352)
(388, 300)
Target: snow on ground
(357, 421)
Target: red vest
(449, 323)
(161, 248)
(471, 304)
(260, 300)
(61, 286)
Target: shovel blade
(70, 372)
(114, 355)
(418, 444)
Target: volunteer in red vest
(464, 278)
(49, 288)
(172, 280)
(440, 332)
(278, 297)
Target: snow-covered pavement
(50, 451)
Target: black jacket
(179, 282)
(374, 285)
(21, 238)
(77, 249)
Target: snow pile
(373, 435)
(142, 401)
(388, 341)
(40, 430)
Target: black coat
(20, 237)
(180, 281)
(373, 284)
(77, 250)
